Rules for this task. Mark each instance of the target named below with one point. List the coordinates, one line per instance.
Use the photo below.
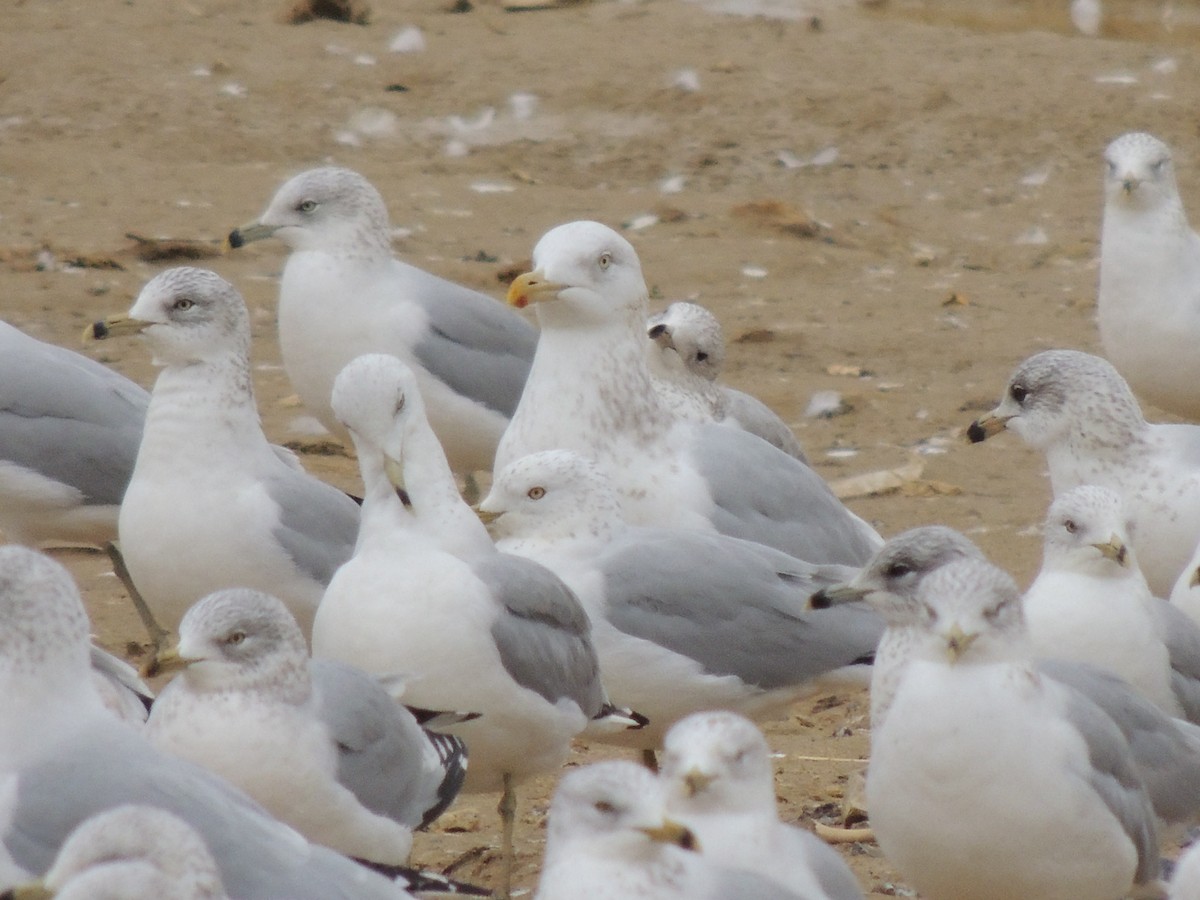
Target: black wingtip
(236, 240)
(976, 433)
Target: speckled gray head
(970, 609)
(717, 761)
(369, 394)
(1139, 173)
(1087, 526)
(694, 333)
(1061, 395)
(329, 209)
(43, 626)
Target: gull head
(1139, 173)
(891, 577)
(240, 640)
(138, 834)
(613, 808)
(968, 611)
(583, 272)
(692, 332)
(329, 209)
(1059, 396)
(717, 762)
(1087, 530)
(554, 494)
(45, 631)
(187, 316)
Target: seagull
(69, 434)
(1166, 750)
(343, 294)
(590, 391)
(321, 745)
(1077, 410)
(426, 592)
(686, 354)
(1091, 603)
(1056, 808)
(211, 503)
(130, 853)
(609, 839)
(1149, 301)
(64, 758)
(717, 770)
(683, 620)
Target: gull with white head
(683, 621)
(321, 745)
(590, 391)
(1149, 301)
(64, 758)
(719, 783)
(1056, 807)
(211, 503)
(343, 294)
(686, 354)
(1077, 410)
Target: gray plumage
(1182, 637)
(317, 526)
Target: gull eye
(1070, 525)
(1018, 392)
(183, 304)
(1112, 168)
(537, 492)
(234, 638)
(306, 206)
(605, 260)
(897, 570)
(701, 356)
(1158, 166)
(399, 404)
(603, 806)
(657, 331)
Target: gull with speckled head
(990, 781)
(320, 744)
(1149, 301)
(1077, 410)
(211, 503)
(683, 620)
(609, 838)
(590, 391)
(64, 758)
(719, 783)
(686, 353)
(343, 294)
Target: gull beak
(836, 595)
(957, 642)
(114, 326)
(532, 288)
(1130, 183)
(662, 336)
(670, 832)
(169, 660)
(487, 516)
(1114, 548)
(31, 890)
(246, 234)
(987, 426)
(394, 468)
(697, 781)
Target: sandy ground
(938, 167)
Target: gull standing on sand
(590, 391)
(1090, 602)
(130, 853)
(64, 758)
(990, 781)
(1166, 750)
(69, 434)
(609, 838)
(683, 621)
(319, 744)
(1149, 301)
(343, 294)
(686, 353)
(1077, 410)
(427, 593)
(211, 503)
(719, 783)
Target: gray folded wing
(67, 417)
(1182, 637)
(735, 607)
(476, 345)
(757, 418)
(109, 764)
(762, 494)
(541, 631)
(318, 524)
(385, 758)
